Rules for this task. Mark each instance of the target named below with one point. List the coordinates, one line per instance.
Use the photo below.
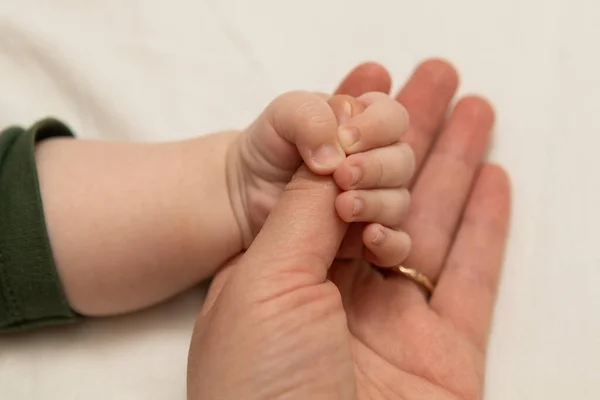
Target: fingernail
(348, 136)
(346, 114)
(379, 236)
(328, 155)
(358, 206)
(356, 175)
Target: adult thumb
(301, 236)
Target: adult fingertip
(366, 77)
(477, 106)
(440, 70)
(371, 68)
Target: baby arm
(133, 224)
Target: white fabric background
(157, 70)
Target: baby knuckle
(402, 117)
(313, 113)
(379, 171)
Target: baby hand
(355, 139)
(372, 178)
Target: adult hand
(276, 327)
(458, 223)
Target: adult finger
(306, 121)
(217, 284)
(467, 287)
(440, 194)
(299, 240)
(426, 96)
(367, 77)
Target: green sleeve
(31, 294)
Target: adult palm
(385, 339)
(434, 348)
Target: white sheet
(156, 70)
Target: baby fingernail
(346, 114)
(348, 136)
(356, 175)
(379, 236)
(328, 155)
(358, 206)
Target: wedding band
(415, 276)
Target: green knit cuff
(31, 294)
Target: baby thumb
(301, 236)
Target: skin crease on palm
(279, 323)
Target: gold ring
(416, 276)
